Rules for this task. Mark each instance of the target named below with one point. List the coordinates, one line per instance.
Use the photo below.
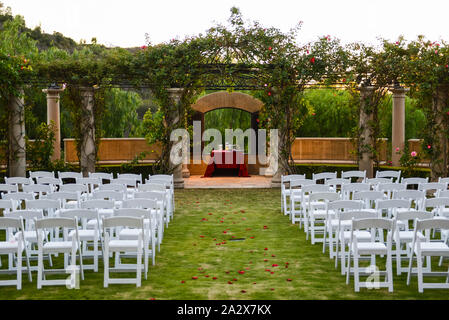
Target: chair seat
(8, 247)
(58, 246)
(345, 223)
(131, 234)
(370, 248)
(433, 249)
(123, 245)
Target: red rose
(312, 60)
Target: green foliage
(40, 150)
(120, 118)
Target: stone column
(88, 155)
(365, 143)
(53, 114)
(398, 123)
(175, 96)
(16, 137)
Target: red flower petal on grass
(234, 279)
(229, 282)
(265, 227)
(243, 291)
(195, 278)
(272, 272)
(267, 270)
(201, 236)
(242, 211)
(272, 289)
(265, 260)
(254, 282)
(225, 232)
(210, 214)
(242, 272)
(275, 265)
(266, 249)
(152, 299)
(227, 272)
(214, 278)
(289, 280)
(251, 237)
(207, 276)
(183, 281)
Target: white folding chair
(307, 190)
(369, 198)
(414, 182)
(403, 237)
(168, 178)
(416, 197)
(161, 199)
(87, 237)
(285, 191)
(14, 246)
(8, 188)
(130, 184)
(391, 206)
(149, 237)
(18, 198)
(105, 208)
(371, 248)
(427, 248)
(156, 209)
(439, 206)
(332, 221)
(347, 190)
(38, 190)
(41, 174)
(316, 213)
(91, 183)
(390, 188)
(130, 176)
(444, 181)
(336, 184)
(359, 175)
(111, 244)
(375, 182)
(324, 176)
(69, 175)
(102, 176)
(117, 196)
(343, 234)
(66, 246)
(296, 197)
(389, 174)
(81, 189)
(68, 200)
(18, 181)
(54, 183)
(153, 186)
(428, 187)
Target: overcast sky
(125, 22)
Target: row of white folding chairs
(132, 235)
(332, 225)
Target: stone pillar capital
(175, 93)
(52, 93)
(399, 91)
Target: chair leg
(19, 270)
(40, 269)
(420, 273)
(356, 272)
(398, 259)
(410, 265)
(139, 268)
(390, 272)
(349, 267)
(106, 266)
(95, 255)
(342, 256)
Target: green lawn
(190, 250)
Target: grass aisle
(199, 260)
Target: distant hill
(44, 40)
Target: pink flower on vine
(143, 47)
(429, 147)
(414, 154)
(397, 149)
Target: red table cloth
(226, 159)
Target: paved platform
(253, 182)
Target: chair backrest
(377, 181)
(69, 175)
(7, 205)
(285, 179)
(112, 187)
(315, 188)
(18, 180)
(166, 183)
(437, 203)
(42, 174)
(354, 174)
(106, 194)
(155, 195)
(15, 223)
(63, 196)
(130, 176)
(324, 176)
(18, 196)
(130, 222)
(413, 215)
(37, 188)
(356, 214)
(168, 178)
(444, 180)
(350, 188)
(89, 181)
(393, 203)
(337, 182)
(373, 223)
(50, 223)
(79, 213)
(368, 195)
(432, 186)
(429, 224)
(151, 187)
(9, 188)
(299, 183)
(140, 203)
(49, 181)
(102, 176)
(409, 194)
(25, 214)
(391, 187)
(98, 204)
(73, 188)
(43, 204)
(345, 205)
(414, 181)
(326, 196)
(125, 182)
(444, 194)
(389, 174)
(132, 212)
